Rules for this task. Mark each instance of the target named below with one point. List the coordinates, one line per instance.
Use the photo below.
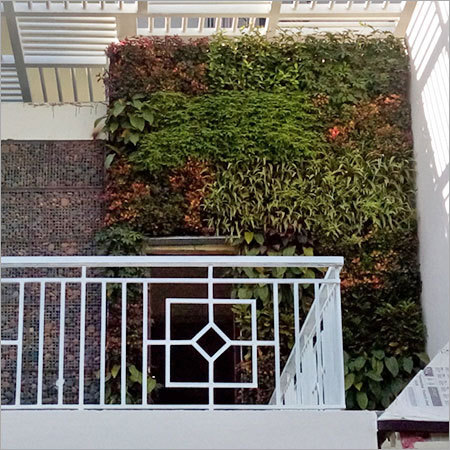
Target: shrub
(142, 65)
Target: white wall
(28, 121)
(428, 42)
(188, 430)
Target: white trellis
(57, 47)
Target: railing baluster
(318, 343)
(19, 344)
(123, 347)
(211, 320)
(62, 319)
(144, 341)
(41, 343)
(339, 340)
(276, 332)
(103, 313)
(82, 337)
(297, 343)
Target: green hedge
(292, 146)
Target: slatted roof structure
(54, 50)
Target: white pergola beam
(16, 45)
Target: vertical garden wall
(290, 146)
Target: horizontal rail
(171, 261)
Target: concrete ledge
(53, 122)
(188, 430)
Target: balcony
(58, 309)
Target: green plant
(133, 385)
(345, 67)
(227, 127)
(296, 145)
(142, 65)
(373, 380)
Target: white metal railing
(312, 378)
(311, 373)
(56, 35)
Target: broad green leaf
(308, 251)
(97, 121)
(362, 400)
(137, 104)
(115, 370)
(113, 126)
(134, 138)
(349, 379)
(423, 357)
(396, 386)
(392, 365)
(374, 376)
(259, 238)
(379, 354)
(408, 364)
(151, 384)
(309, 273)
(359, 362)
(137, 122)
(118, 108)
(289, 251)
(109, 159)
(358, 386)
(249, 271)
(148, 116)
(375, 388)
(248, 236)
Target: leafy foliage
(345, 67)
(227, 127)
(373, 381)
(142, 65)
(294, 145)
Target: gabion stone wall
(51, 205)
(51, 197)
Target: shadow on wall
(428, 42)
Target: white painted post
(276, 337)
(295, 287)
(144, 341)
(41, 343)
(62, 319)
(123, 347)
(103, 316)
(405, 17)
(19, 343)
(272, 20)
(82, 338)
